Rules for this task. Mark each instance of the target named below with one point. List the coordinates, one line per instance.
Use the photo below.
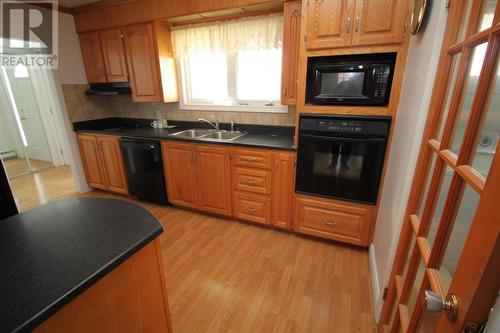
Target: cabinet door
(114, 55)
(142, 63)
(90, 159)
(214, 181)
(291, 41)
(180, 173)
(283, 189)
(112, 162)
(379, 21)
(329, 23)
(92, 57)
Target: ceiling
(74, 3)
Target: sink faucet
(214, 125)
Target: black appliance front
(341, 157)
(358, 79)
(8, 206)
(144, 168)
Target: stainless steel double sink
(209, 134)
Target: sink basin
(223, 135)
(193, 133)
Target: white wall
(419, 77)
(71, 70)
(9, 135)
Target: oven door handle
(341, 139)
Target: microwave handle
(341, 139)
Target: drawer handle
(251, 210)
(251, 181)
(329, 222)
(250, 159)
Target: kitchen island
(82, 265)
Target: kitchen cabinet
(283, 189)
(251, 207)
(291, 42)
(141, 54)
(333, 219)
(104, 56)
(92, 57)
(180, 173)
(214, 184)
(140, 49)
(379, 22)
(112, 162)
(197, 176)
(103, 163)
(91, 162)
(150, 63)
(114, 55)
(332, 24)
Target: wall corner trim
(375, 283)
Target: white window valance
(250, 33)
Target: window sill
(235, 108)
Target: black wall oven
(359, 79)
(341, 157)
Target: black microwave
(359, 79)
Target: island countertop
(53, 253)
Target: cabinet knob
(356, 25)
(251, 210)
(348, 29)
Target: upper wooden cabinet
(92, 57)
(338, 23)
(329, 23)
(114, 55)
(291, 41)
(144, 72)
(141, 54)
(379, 22)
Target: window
(231, 66)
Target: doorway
(33, 146)
(449, 247)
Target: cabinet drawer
(256, 158)
(334, 221)
(256, 208)
(252, 180)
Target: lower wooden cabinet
(103, 163)
(332, 219)
(283, 189)
(197, 176)
(252, 207)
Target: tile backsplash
(83, 107)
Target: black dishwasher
(144, 167)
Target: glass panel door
(457, 182)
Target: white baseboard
(376, 299)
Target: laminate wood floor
(228, 276)
(17, 166)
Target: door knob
(435, 303)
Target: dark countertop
(264, 136)
(53, 253)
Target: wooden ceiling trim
(114, 13)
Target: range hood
(109, 89)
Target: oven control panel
(342, 126)
(345, 126)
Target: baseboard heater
(7, 154)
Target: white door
(22, 90)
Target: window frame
(232, 104)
